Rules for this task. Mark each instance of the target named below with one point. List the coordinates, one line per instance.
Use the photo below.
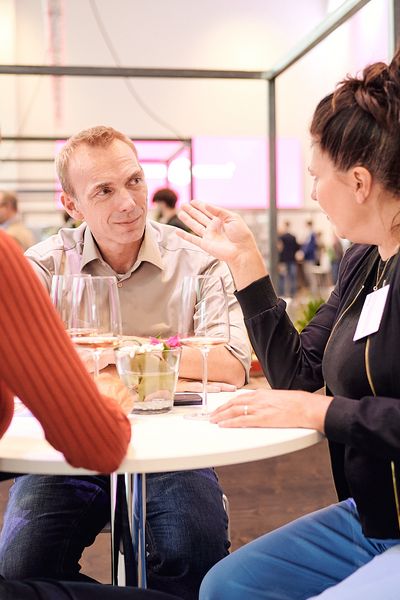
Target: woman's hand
(221, 232)
(273, 408)
(112, 387)
(225, 235)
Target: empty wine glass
(91, 312)
(203, 321)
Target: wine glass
(203, 321)
(60, 293)
(91, 312)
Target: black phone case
(187, 399)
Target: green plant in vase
(150, 372)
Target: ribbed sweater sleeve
(39, 365)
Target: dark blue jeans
(50, 520)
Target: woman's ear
(362, 181)
(71, 206)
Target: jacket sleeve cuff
(339, 418)
(257, 297)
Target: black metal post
(273, 251)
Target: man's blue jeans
(50, 520)
(323, 555)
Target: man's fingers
(197, 386)
(188, 386)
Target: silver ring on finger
(245, 410)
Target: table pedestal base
(128, 527)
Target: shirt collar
(149, 250)
(90, 250)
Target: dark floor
(263, 495)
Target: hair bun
(377, 92)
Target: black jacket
(363, 433)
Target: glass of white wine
(91, 312)
(203, 322)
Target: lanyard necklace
(379, 276)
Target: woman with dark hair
(39, 364)
(350, 550)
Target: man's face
(110, 193)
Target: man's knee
(187, 520)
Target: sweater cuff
(257, 297)
(339, 418)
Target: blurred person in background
(165, 199)
(287, 248)
(309, 249)
(11, 221)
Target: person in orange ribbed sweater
(39, 365)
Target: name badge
(371, 314)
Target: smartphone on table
(187, 399)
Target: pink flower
(173, 342)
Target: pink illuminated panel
(232, 172)
(166, 163)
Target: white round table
(164, 442)
(160, 442)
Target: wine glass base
(198, 416)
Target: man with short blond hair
(50, 520)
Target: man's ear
(362, 181)
(71, 206)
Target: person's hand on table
(273, 408)
(185, 385)
(111, 386)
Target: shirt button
(119, 285)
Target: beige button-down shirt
(150, 292)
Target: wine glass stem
(204, 352)
(96, 361)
